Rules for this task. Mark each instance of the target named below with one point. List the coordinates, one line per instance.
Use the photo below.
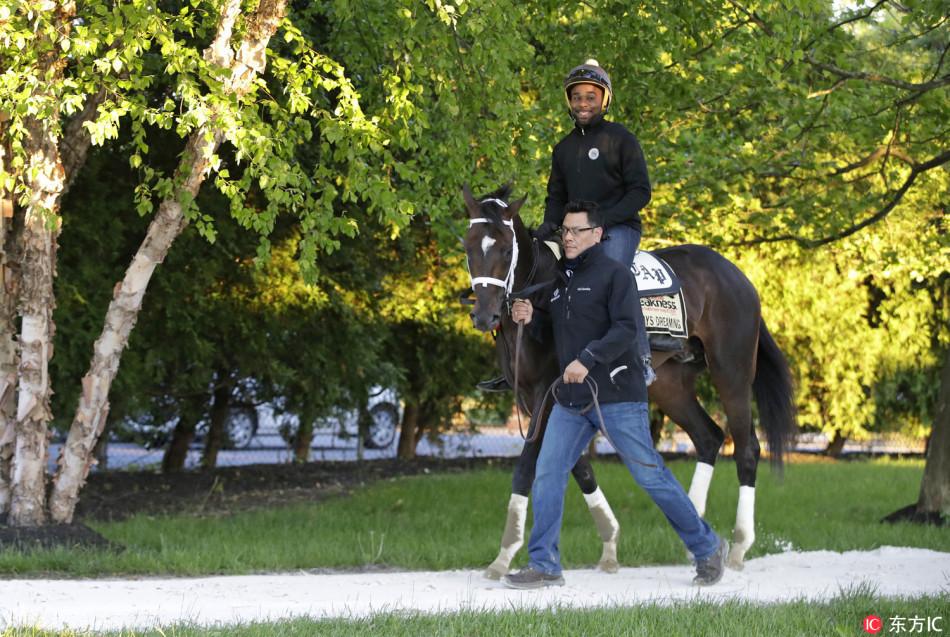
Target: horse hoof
(735, 561)
(609, 566)
(495, 572)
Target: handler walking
(592, 314)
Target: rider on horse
(598, 161)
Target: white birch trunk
(90, 416)
(38, 249)
(45, 178)
(8, 346)
(8, 355)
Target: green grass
(455, 521)
(842, 616)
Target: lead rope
(594, 404)
(517, 365)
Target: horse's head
(491, 246)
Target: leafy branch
(915, 172)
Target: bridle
(509, 280)
(507, 284)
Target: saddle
(661, 298)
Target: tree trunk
(935, 486)
(46, 179)
(162, 232)
(217, 426)
(176, 454)
(8, 346)
(408, 432)
(101, 451)
(836, 446)
(303, 439)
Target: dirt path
(113, 604)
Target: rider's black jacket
(591, 313)
(601, 162)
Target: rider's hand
(575, 372)
(545, 231)
(522, 311)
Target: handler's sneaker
(710, 570)
(528, 577)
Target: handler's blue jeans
(621, 244)
(568, 434)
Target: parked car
(242, 425)
(382, 407)
(245, 421)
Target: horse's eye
(508, 253)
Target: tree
(100, 68)
(933, 503)
(935, 486)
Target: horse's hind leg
(737, 404)
(733, 381)
(604, 518)
(674, 393)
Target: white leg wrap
(607, 527)
(699, 487)
(512, 539)
(744, 534)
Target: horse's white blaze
(744, 534)
(487, 243)
(699, 487)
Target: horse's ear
(474, 210)
(514, 207)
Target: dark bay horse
(727, 337)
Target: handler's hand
(575, 372)
(522, 311)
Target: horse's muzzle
(485, 322)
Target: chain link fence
(269, 447)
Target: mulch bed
(51, 536)
(117, 495)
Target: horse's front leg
(512, 538)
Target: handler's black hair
(590, 207)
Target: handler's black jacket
(591, 313)
(601, 162)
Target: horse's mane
(502, 192)
(491, 210)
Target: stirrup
(499, 384)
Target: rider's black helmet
(590, 72)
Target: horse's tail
(774, 396)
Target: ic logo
(873, 624)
